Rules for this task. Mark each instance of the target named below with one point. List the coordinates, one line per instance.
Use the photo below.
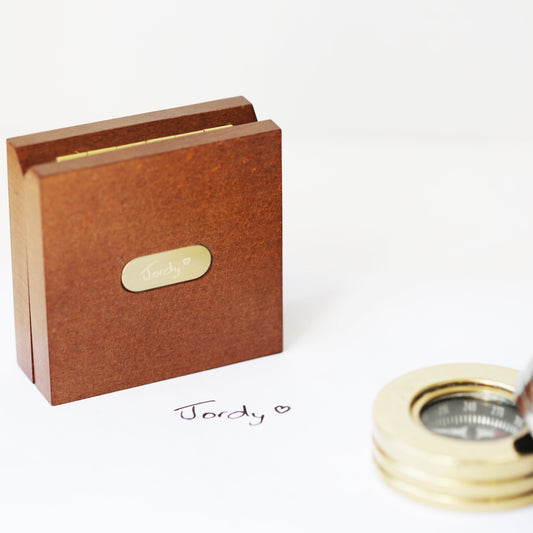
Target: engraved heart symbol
(186, 261)
(281, 409)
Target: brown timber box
(78, 221)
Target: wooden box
(205, 177)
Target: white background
(408, 220)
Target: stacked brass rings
(442, 471)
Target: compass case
(77, 222)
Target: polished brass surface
(166, 268)
(438, 470)
(121, 146)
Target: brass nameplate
(166, 268)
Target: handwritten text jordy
(201, 411)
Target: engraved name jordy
(154, 270)
(166, 268)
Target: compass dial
(471, 416)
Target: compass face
(471, 416)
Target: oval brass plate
(166, 268)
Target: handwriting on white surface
(203, 411)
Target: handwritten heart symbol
(186, 261)
(281, 409)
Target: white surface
(408, 169)
(127, 462)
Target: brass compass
(454, 436)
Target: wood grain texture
(86, 218)
(28, 150)
(41, 147)
(19, 262)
